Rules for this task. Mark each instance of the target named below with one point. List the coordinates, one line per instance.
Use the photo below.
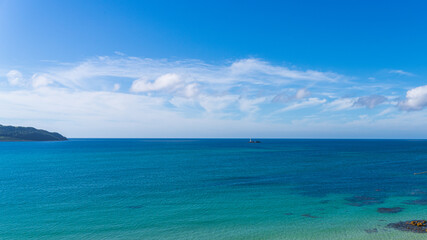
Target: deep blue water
(210, 188)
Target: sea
(211, 189)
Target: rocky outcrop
(390, 210)
(416, 226)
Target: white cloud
(182, 102)
(144, 74)
(81, 110)
(285, 97)
(15, 78)
(302, 93)
(401, 72)
(119, 53)
(250, 105)
(191, 90)
(255, 66)
(166, 81)
(370, 101)
(217, 103)
(191, 98)
(386, 111)
(303, 104)
(416, 99)
(40, 80)
(116, 87)
(341, 104)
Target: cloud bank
(140, 97)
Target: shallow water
(210, 189)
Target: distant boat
(251, 141)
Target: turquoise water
(210, 189)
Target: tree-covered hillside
(10, 133)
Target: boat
(251, 141)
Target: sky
(212, 69)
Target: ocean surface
(211, 189)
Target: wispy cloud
(347, 103)
(370, 101)
(285, 97)
(162, 96)
(401, 72)
(255, 67)
(250, 71)
(341, 104)
(303, 104)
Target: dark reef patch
(416, 226)
(360, 201)
(374, 230)
(418, 192)
(390, 210)
(416, 202)
(309, 216)
(135, 207)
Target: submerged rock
(374, 230)
(363, 200)
(418, 192)
(416, 226)
(390, 210)
(309, 216)
(417, 202)
(135, 207)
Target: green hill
(11, 133)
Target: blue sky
(320, 69)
